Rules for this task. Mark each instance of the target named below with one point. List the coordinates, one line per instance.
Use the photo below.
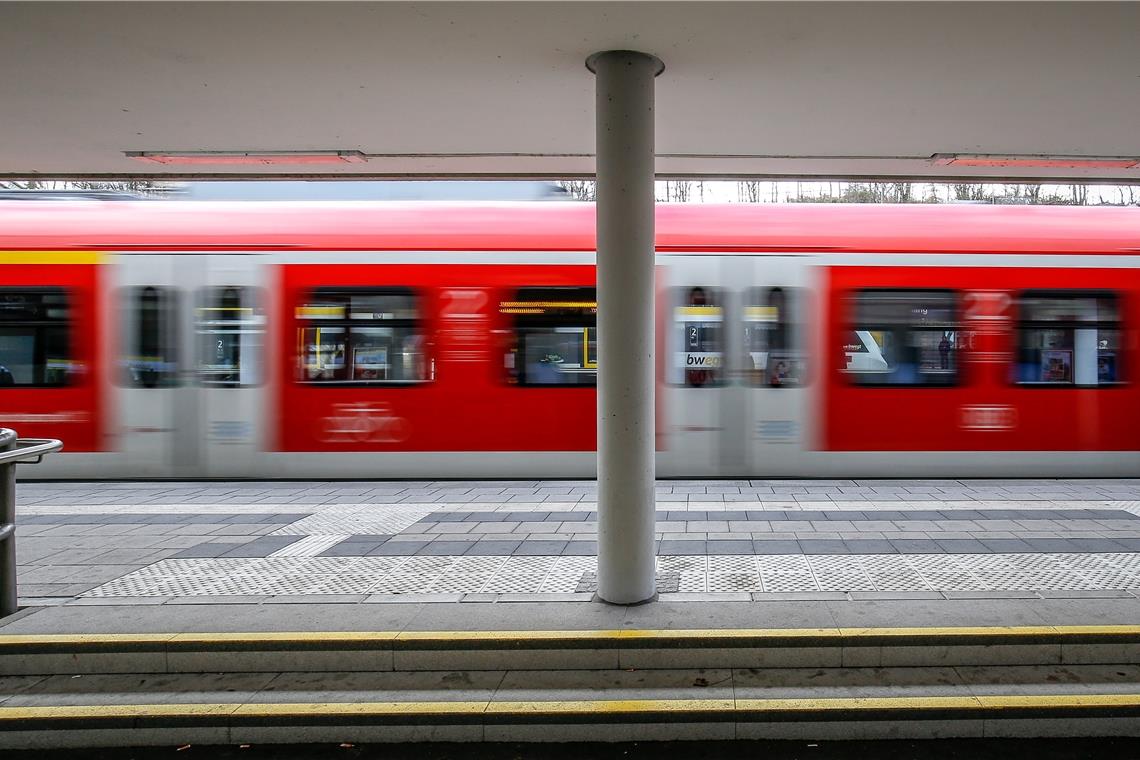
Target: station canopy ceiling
(500, 89)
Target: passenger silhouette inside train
(695, 340)
(148, 377)
(901, 358)
(944, 352)
(777, 339)
(779, 374)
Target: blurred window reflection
(772, 338)
(360, 337)
(230, 325)
(151, 342)
(698, 337)
(555, 337)
(1068, 338)
(34, 338)
(902, 337)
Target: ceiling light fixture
(1034, 162)
(248, 158)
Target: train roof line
(542, 226)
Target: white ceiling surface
(846, 89)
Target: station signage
(700, 359)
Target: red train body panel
(1008, 417)
(75, 412)
(444, 254)
(469, 406)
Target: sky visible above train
(667, 191)
(673, 191)
(301, 190)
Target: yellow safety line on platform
(1077, 630)
(616, 634)
(51, 257)
(1027, 630)
(278, 637)
(610, 707)
(105, 712)
(362, 708)
(1060, 700)
(516, 637)
(23, 639)
(834, 704)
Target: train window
(230, 323)
(151, 344)
(698, 337)
(1068, 339)
(555, 337)
(34, 338)
(360, 337)
(771, 338)
(903, 337)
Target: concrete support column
(625, 173)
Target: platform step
(596, 705)
(48, 654)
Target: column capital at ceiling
(592, 59)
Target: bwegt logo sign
(703, 360)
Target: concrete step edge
(621, 639)
(488, 711)
(1062, 713)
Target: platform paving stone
(85, 543)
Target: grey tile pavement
(69, 527)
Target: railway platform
(285, 611)
(162, 543)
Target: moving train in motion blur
(440, 339)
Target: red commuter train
(373, 340)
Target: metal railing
(13, 451)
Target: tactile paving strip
(309, 546)
(300, 575)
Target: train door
(153, 364)
(695, 306)
(229, 327)
(770, 397)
